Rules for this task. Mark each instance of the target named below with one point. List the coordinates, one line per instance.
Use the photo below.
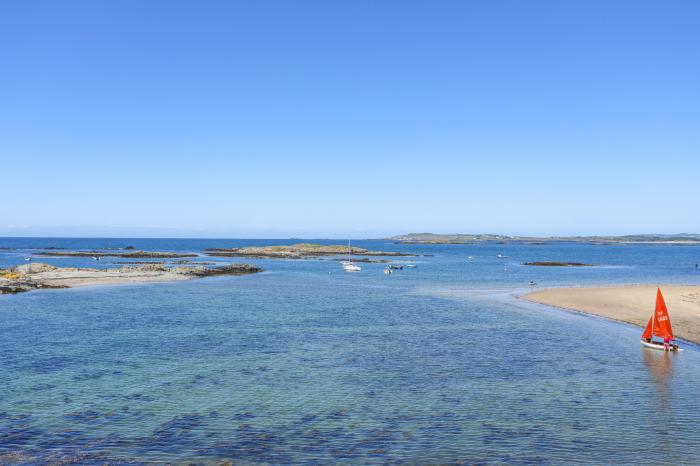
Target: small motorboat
(28, 259)
(387, 271)
(470, 257)
(396, 267)
(501, 256)
(532, 283)
(411, 266)
(659, 326)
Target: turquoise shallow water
(306, 364)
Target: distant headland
(465, 238)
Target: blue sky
(349, 119)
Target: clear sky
(349, 119)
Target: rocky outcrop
(365, 260)
(34, 276)
(19, 279)
(297, 251)
(33, 267)
(232, 269)
(131, 254)
(19, 287)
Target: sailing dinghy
(659, 326)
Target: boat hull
(657, 346)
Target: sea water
(305, 363)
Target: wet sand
(630, 303)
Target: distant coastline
(681, 239)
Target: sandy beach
(630, 303)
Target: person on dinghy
(670, 344)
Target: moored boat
(348, 265)
(351, 267)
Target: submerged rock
(557, 264)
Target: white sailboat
(348, 265)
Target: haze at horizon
(357, 119)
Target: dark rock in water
(365, 260)
(231, 269)
(131, 254)
(129, 248)
(12, 289)
(20, 287)
(557, 264)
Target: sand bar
(630, 303)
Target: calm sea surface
(307, 364)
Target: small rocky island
(297, 251)
(36, 275)
(127, 255)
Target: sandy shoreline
(632, 304)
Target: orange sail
(647, 331)
(660, 323)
